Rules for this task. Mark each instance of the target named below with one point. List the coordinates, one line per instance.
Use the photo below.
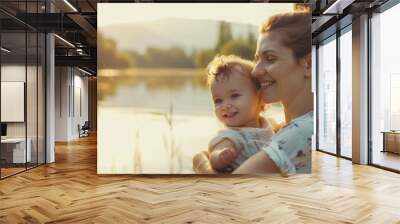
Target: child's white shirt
(247, 141)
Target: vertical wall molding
(338, 99)
(50, 94)
(360, 90)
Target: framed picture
(167, 76)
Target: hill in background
(187, 34)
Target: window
(346, 93)
(22, 68)
(327, 96)
(385, 88)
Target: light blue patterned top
(247, 141)
(290, 147)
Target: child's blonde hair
(222, 66)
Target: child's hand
(222, 158)
(201, 163)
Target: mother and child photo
(241, 103)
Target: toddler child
(237, 104)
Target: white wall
(12, 100)
(15, 73)
(33, 126)
(71, 94)
(80, 110)
(62, 80)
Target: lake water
(156, 125)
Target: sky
(249, 13)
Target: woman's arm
(259, 163)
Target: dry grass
(173, 151)
(137, 158)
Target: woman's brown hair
(295, 29)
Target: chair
(84, 130)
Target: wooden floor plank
(70, 191)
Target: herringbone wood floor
(70, 191)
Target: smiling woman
(283, 68)
(283, 54)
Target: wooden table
(17, 148)
(391, 141)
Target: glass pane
(23, 89)
(31, 86)
(327, 96)
(31, 100)
(13, 87)
(14, 6)
(346, 94)
(314, 81)
(385, 86)
(41, 98)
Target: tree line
(176, 57)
